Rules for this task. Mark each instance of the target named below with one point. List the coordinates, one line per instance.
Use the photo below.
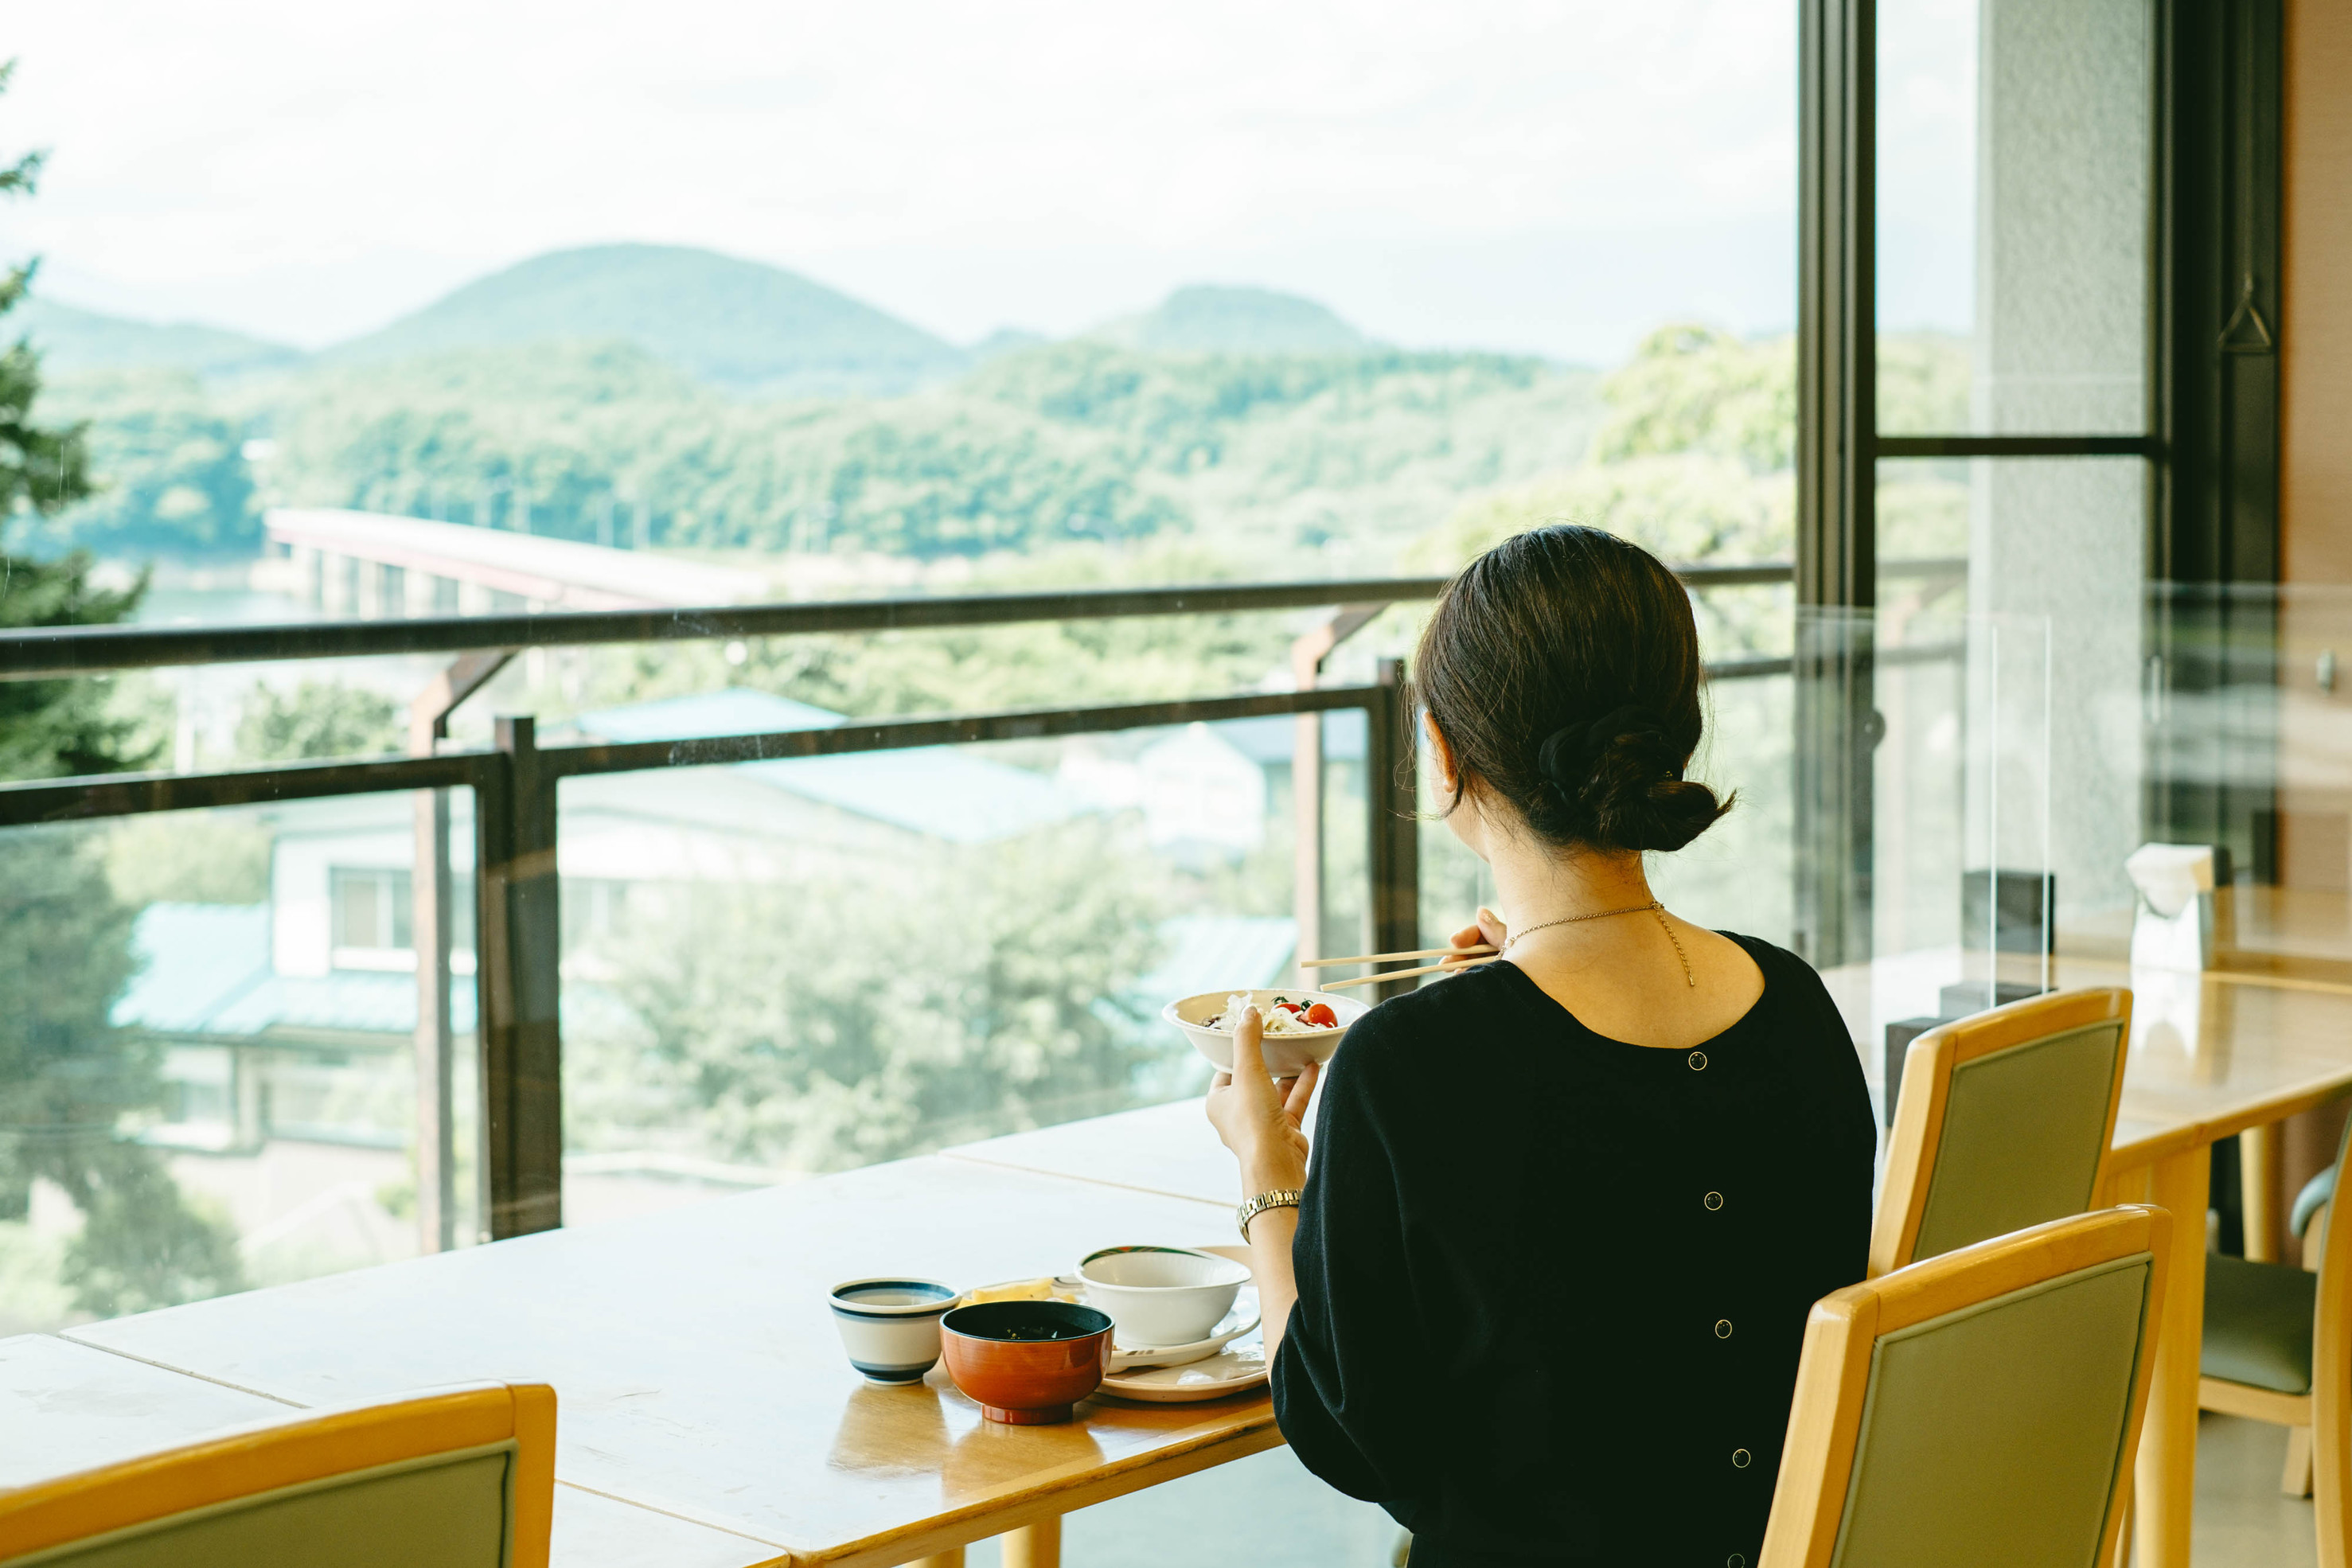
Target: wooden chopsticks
(1395, 957)
(1478, 956)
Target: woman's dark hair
(1562, 668)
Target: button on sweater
(1552, 1286)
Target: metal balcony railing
(515, 784)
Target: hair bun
(1624, 775)
(1568, 755)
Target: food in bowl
(1292, 1033)
(1161, 1296)
(1284, 1016)
(1026, 1362)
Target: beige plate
(1236, 1369)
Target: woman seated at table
(1568, 1210)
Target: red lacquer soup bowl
(1025, 1362)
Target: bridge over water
(380, 566)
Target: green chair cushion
(446, 1510)
(2258, 1319)
(1994, 1434)
(2315, 1192)
(2024, 1131)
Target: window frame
(2210, 438)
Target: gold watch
(1280, 1198)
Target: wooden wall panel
(2315, 336)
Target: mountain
(1006, 340)
(73, 340)
(1207, 318)
(741, 325)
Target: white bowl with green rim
(1160, 1296)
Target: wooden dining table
(708, 1417)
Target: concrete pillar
(383, 590)
(248, 1097)
(308, 567)
(337, 584)
(2061, 349)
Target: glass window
(370, 909)
(2014, 164)
(1197, 295)
(2054, 540)
(356, 898)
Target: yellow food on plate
(1012, 1291)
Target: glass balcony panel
(2054, 539)
(790, 967)
(198, 1091)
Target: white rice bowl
(1288, 1049)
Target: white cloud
(314, 169)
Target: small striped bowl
(890, 1326)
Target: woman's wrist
(1272, 1172)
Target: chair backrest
(2004, 1122)
(1980, 1407)
(458, 1478)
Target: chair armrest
(2319, 1190)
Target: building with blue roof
(950, 793)
(294, 1018)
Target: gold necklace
(1654, 905)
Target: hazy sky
(1555, 177)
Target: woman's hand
(1488, 931)
(1262, 1121)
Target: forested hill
(741, 325)
(1260, 427)
(1208, 319)
(1281, 457)
(1040, 447)
(72, 340)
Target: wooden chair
(2309, 1218)
(2004, 1120)
(1981, 1407)
(2275, 1350)
(458, 1478)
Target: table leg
(1037, 1546)
(2166, 1479)
(951, 1558)
(2259, 1177)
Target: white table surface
(1166, 1149)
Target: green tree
(70, 1082)
(965, 1008)
(1694, 389)
(1693, 461)
(46, 727)
(176, 478)
(317, 719)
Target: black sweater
(1552, 1286)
